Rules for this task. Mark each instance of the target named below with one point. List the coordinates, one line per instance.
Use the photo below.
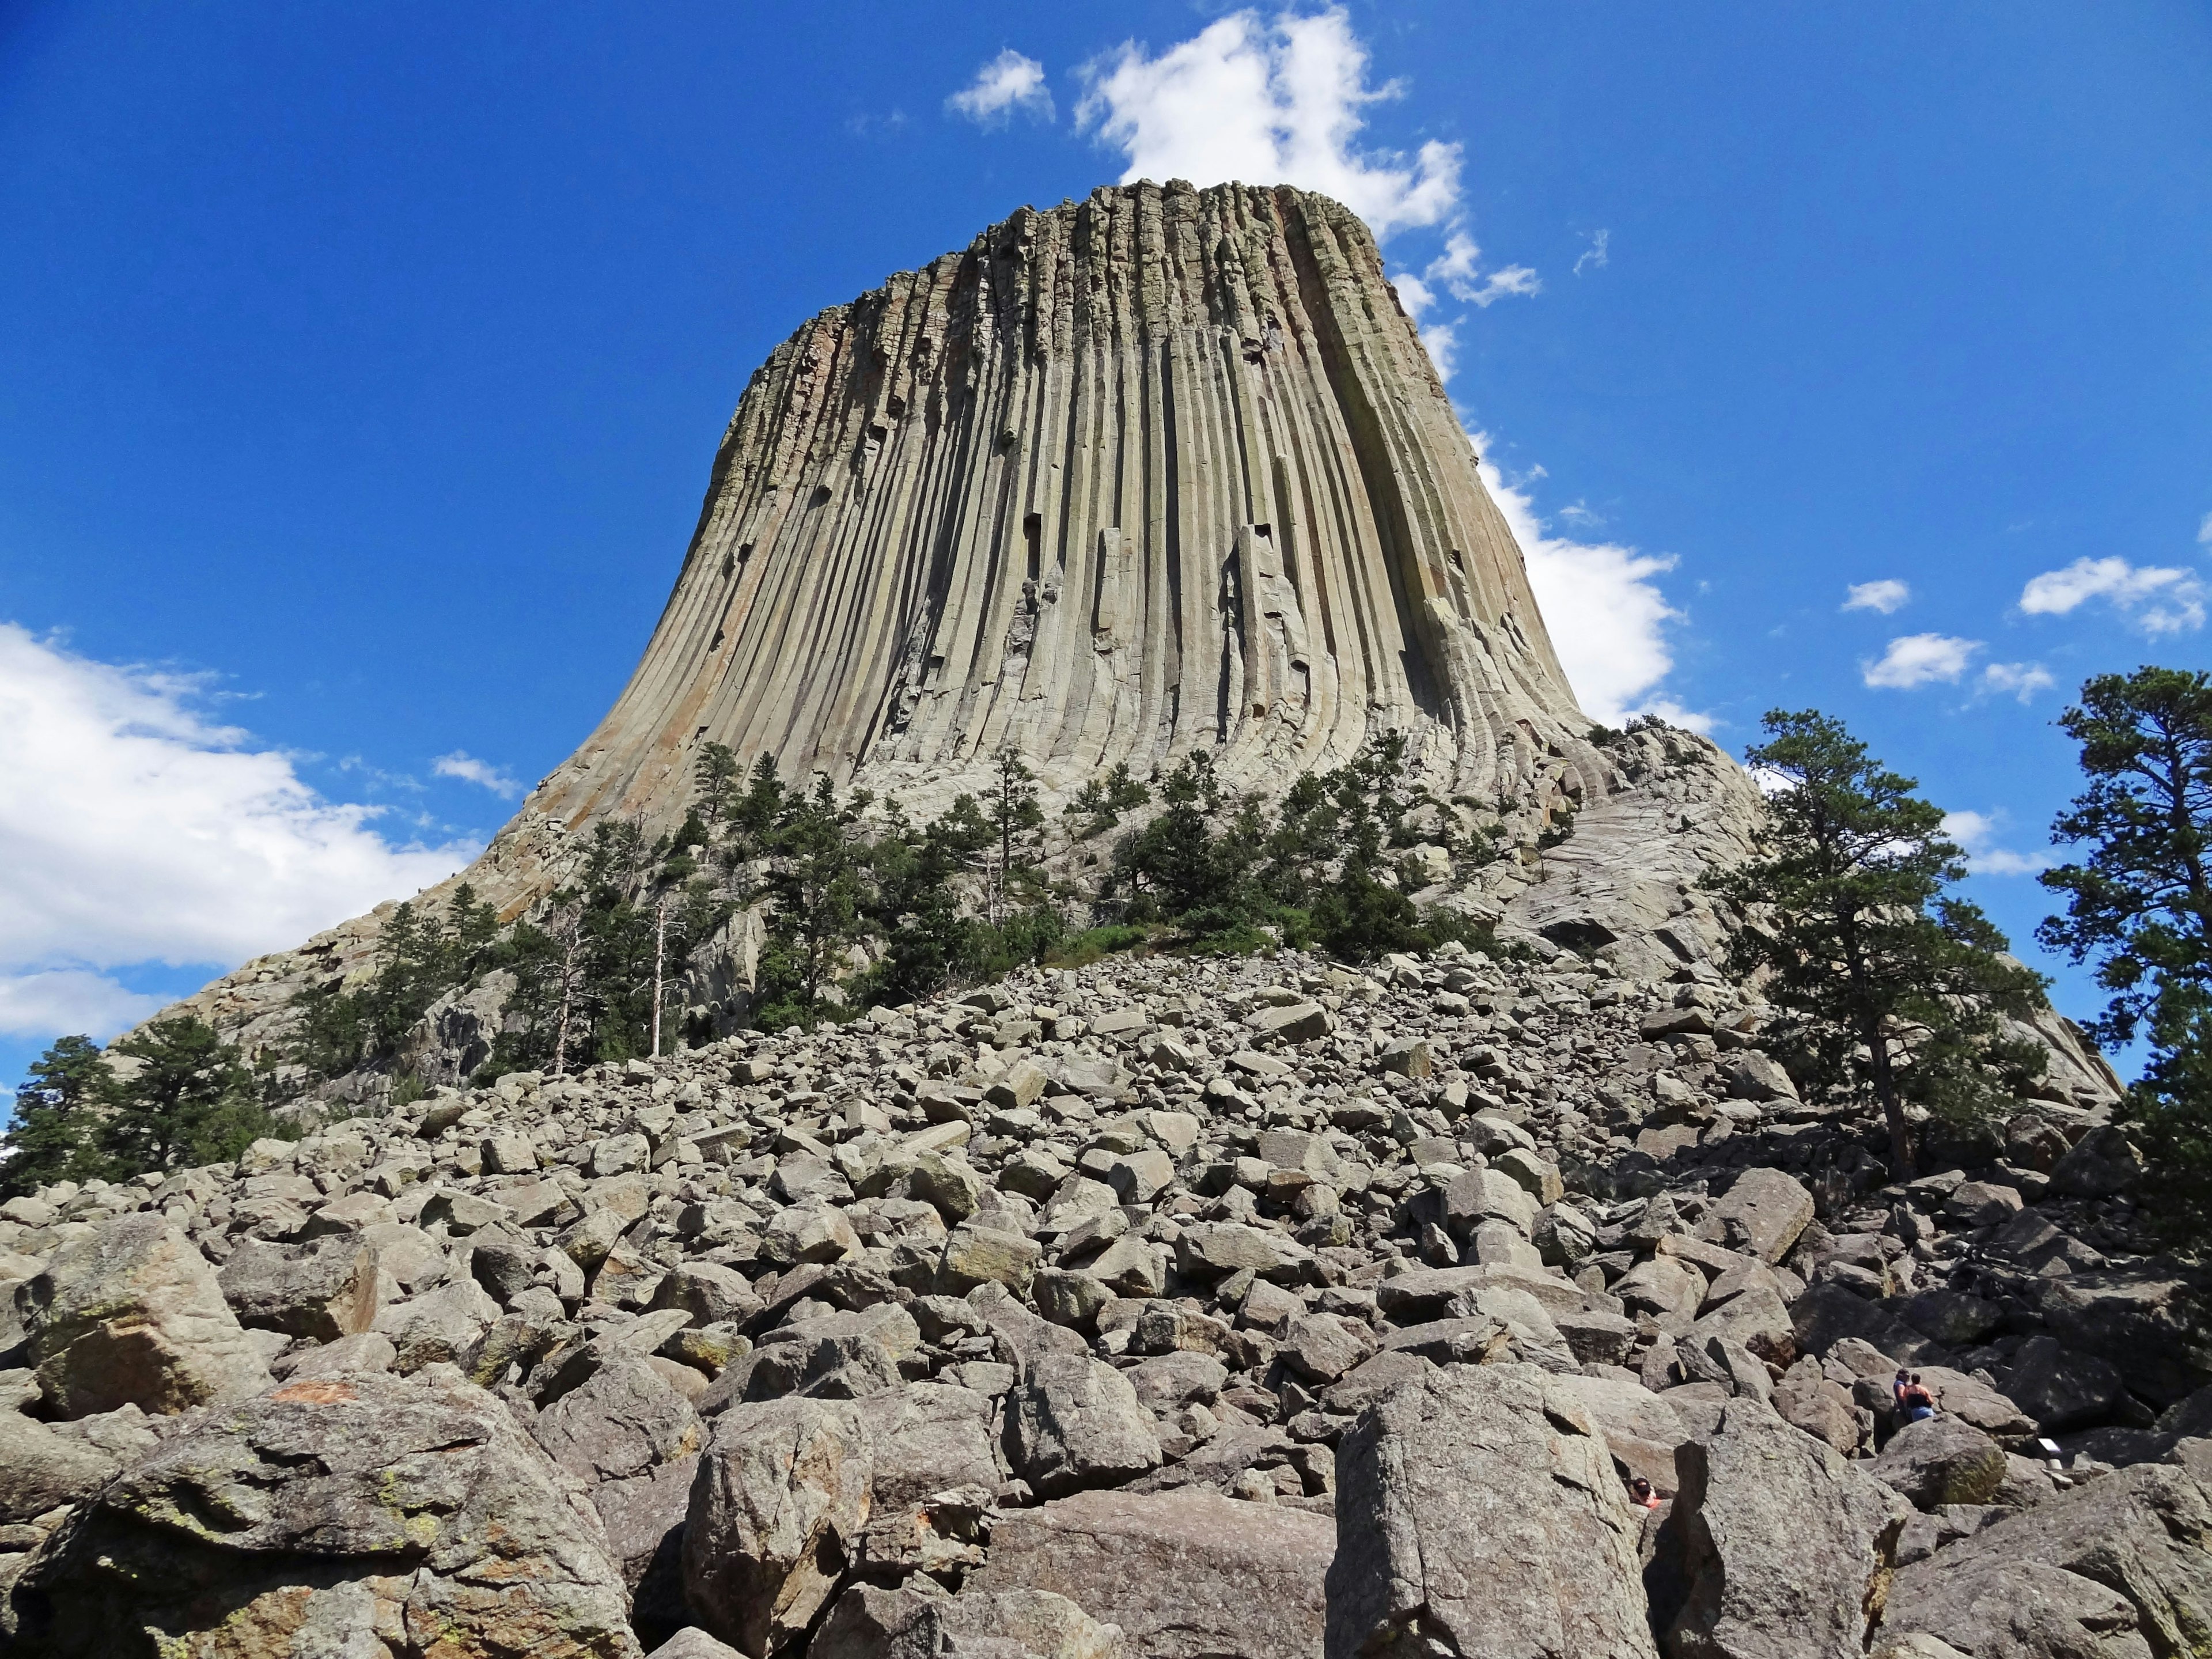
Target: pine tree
(1883, 984)
(55, 1133)
(188, 1100)
(2140, 905)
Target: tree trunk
(659, 956)
(1893, 1107)
(568, 1001)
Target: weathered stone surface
(1761, 1214)
(920, 1622)
(644, 1517)
(131, 1313)
(621, 1421)
(40, 1470)
(1074, 1422)
(1940, 1459)
(323, 1290)
(2120, 1566)
(1786, 1546)
(777, 1511)
(1478, 1512)
(2060, 1388)
(357, 1515)
(1185, 1574)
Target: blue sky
(360, 370)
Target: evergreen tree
(55, 1133)
(1884, 985)
(188, 1101)
(2139, 904)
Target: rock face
(1786, 1546)
(1166, 468)
(1478, 1513)
(368, 1514)
(132, 1313)
(1185, 1574)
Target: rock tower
(1164, 470)
(1167, 469)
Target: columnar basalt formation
(1164, 471)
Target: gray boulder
(1940, 1459)
(1185, 1574)
(1785, 1545)
(2118, 1567)
(621, 1421)
(323, 1290)
(1073, 1422)
(1761, 1214)
(1478, 1512)
(777, 1511)
(918, 1620)
(132, 1314)
(316, 1517)
(40, 1470)
(2062, 1389)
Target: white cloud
(1974, 831)
(1595, 258)
(2204, 532)
(134, 830)
(1916, 659)
(1885, 596)
(1266, 102)
(1442, 340)
(64, 999)
(1607, 618)
(2017, 679)
(1008, 82)
(1513, 279)
(2159, 599)
(469, 769)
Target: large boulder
(2143, 1324)
(2062, 1389)
(1785, 1546)
(325, 1289)
(644, 1516)
(41, 1469)
(1073, 1422)
(918, 1620)
(1478, 1512)
(620, 1421)
(366, 1514)
(780, 1501)
(1940, 1459)
(1185, 1574)
(1761, 1214)
(2121, 1566)
(132, 1314)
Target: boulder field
(1156, 1308)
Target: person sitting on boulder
(1919, 1404)
(1641, 1495)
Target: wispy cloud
(1885, 596)
(469, 769)
(1008, 82)
(1976, 833)
(1594, 257)
(1917, 659)
(2204, 532)
(1458, 269)
(1266, 102)
(2156, 598)
(133, 829)
(2016, 679)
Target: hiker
(1917, 1403)
(1897, 1385)
(1641, 1495)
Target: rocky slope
(1156, 1308)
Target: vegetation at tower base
(2139, 904)
(169, 1095)
(1884, 983)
